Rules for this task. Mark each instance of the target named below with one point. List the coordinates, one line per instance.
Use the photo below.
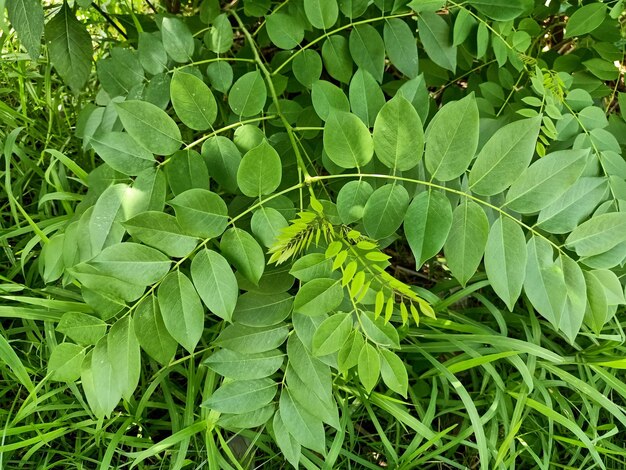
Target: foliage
(383, 234)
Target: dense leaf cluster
(261, 165)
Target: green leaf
(544, 283)
(285, 31)
(150, 126)
(120, 73)
(242, 396)
(306, 429)
(267, 224)
(220, 75)
(463, 25)
(161, 231)
(260, 171)
(151, 332)
(104, 223)
(351, 200)
(245, 366)
(186, 170)
(577, 203)
(177, 39)
(368, 50)
(347, 141)
(98, 380)
(69, 47)
(122, 153)
(150, 188)
(505, 259)
(545, 180)
(393, 372)
(125, 356)
(65, 362)
(307, 67)
(369, 367)
(311, 266)
(465, 245)
(215, 282)
(132, 263)
(575, 297)
(201, 213)
(248, 95)
(585, 19)
(328, 98)
(181, 309)
(385, 210)
(401, 46)
(322, 14)
(152, 54)
(286, 442)
(252, 340)
(505, 155)
(193, 101)
(242, 251)
(251, 419)
(259, 309)
(348, 355)
(434, 32)
(598, 234)
(398, 135)
(219, 38)
(332, 333)
(337, 59)
(318, 297)
(26, 17)
(82, 328)
(502, 10)
(106, 284)
(378, 331)
(366, 97)
(309, 369)
(324, 409)
(426, 224)
(452, 139)
(223, 157)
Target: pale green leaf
(248, 94)
(82, 328)
(598, 234)
(65, 362)
(252, 340)
(201, 213)
(332, 333)
(215, 282)
(161, 231)
(393, 372)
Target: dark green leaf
(332, 333)
(215, 282)
(368, 50)
(252, 340)
(245, 366)
(151, 332)
(401, 46)
(248, 94)
(201, 213)
(369, 367)
(385, 210)
(125, 356)
(26, 17)
(435, 35)
(347, 141)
